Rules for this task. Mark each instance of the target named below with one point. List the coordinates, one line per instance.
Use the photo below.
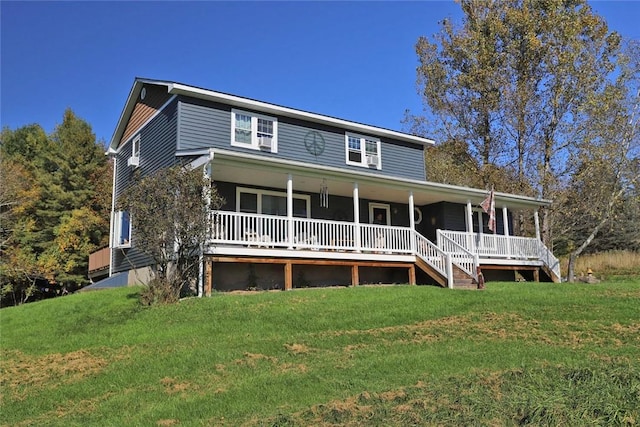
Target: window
(122, 230)
(135, 149)
(254, 131)
(266, 202)
(363, 151)
(134, 160)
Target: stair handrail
(459, 251)
(430, 253)
(549, 259)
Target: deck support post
(288, 276)
(290, 210)
(355, 275)
(412, 275)
(412, 223)
(356, 218)
(208, 277)
(536, 275)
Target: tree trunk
(571, 268)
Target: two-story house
(312, 200)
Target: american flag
(489, 206)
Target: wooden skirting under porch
(288, 263)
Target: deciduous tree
(169, 215)
(516, 82)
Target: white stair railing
(549, 259)
(460, 256)
(427, 251)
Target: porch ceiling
(255, 170)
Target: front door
(379, 213)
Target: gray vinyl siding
(157, 151)
(208, 125)
(452, 216)
(204, 126)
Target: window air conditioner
(133, 161)
(264, 142)
(372, 160)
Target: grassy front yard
(516, 353)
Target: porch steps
(549, 272)
(462, 280)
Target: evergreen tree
(58, 209)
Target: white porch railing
(316, 234)
(494, 245)
(460, 248)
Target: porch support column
(505, 226)
(356, 218)
(412, 223)
(290, 210)
(470, 240)
(536, 220)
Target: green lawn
(394, 355)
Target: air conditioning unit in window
(372, 160)
(264, 142)
(133, 161)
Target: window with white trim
(362, 151)
(135, 149)
(254, 131)
(122, 230)
(267, 202)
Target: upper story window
(254, 131)
(362, 151)
(122, 230)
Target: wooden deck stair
(461, 280)
(549, 272)
(432, 272)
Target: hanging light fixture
(324, 194)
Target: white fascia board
(236, 101)
(401, 183)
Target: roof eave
(237, 101)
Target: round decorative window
(418, 215)
(143, 93)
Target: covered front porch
(277, 209)
(238, 234)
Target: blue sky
(353, 60)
